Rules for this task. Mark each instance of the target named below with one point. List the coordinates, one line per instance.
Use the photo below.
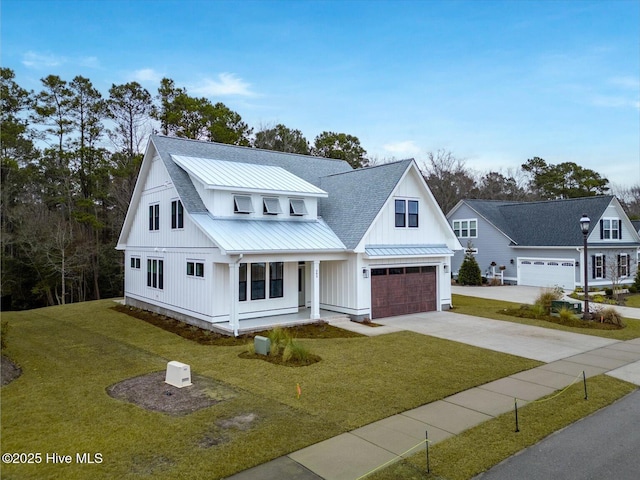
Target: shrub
(539, 311)
(633, 289)
(609, 315)
(280, 338)
(566, 314)
(469, 273)
(4, 330)
(608, 292)
(546, 297)
(295, 352)
(597, 299)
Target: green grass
(491, 442)
(494, 309)
(632, 301)
(71, 354)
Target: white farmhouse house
(217, 235)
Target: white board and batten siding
(431, 230)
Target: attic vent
(297, 207)
(242, 204)
(271, 206)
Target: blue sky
(494, 82)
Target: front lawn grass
(477, 450)
(632, 300)
(71, 354)
(495, 309)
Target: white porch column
(234, 322)
(315, 289)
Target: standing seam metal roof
(355, 196)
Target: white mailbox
(178, 374)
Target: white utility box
(178, 374)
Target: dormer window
(610, 229)
(271, 206)
(242, 204)
(297, 207)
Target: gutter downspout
(233, 278)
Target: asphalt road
(603, 446)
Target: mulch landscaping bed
(10, 371)
(152, 393)
(207, 337)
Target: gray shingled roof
(355, 196)
(548, 223)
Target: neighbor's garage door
(542, 272)
(399, 291)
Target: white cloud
(407, 147)
(626, 82)
(147, 75)
(39, 60)
(91, 62)
(614, 101)
(227, 84)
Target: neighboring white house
(541, 243)
(217, 234)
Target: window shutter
(604, 267)
(619, 229)
(593, 266)
(601, 229)
(619, 266)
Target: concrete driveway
(507, 293)
(538, 343)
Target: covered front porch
(302, 317)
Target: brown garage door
(399, 291)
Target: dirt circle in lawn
(152, 393)
(10, 371)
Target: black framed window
(155, 273)
(242, 282)
(195, 269)
(135, 262)
(154, 217)
(413, 213)
(258, 281)
(276, 276)
(177, 214)
(401, 210)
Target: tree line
(71, 156)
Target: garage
(404, 290)
(546, 272)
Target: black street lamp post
(584, 226)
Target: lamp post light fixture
(584, 226)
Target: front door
(302, 301)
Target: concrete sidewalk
(351, 455)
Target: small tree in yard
(469, 273)
(618, 267)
